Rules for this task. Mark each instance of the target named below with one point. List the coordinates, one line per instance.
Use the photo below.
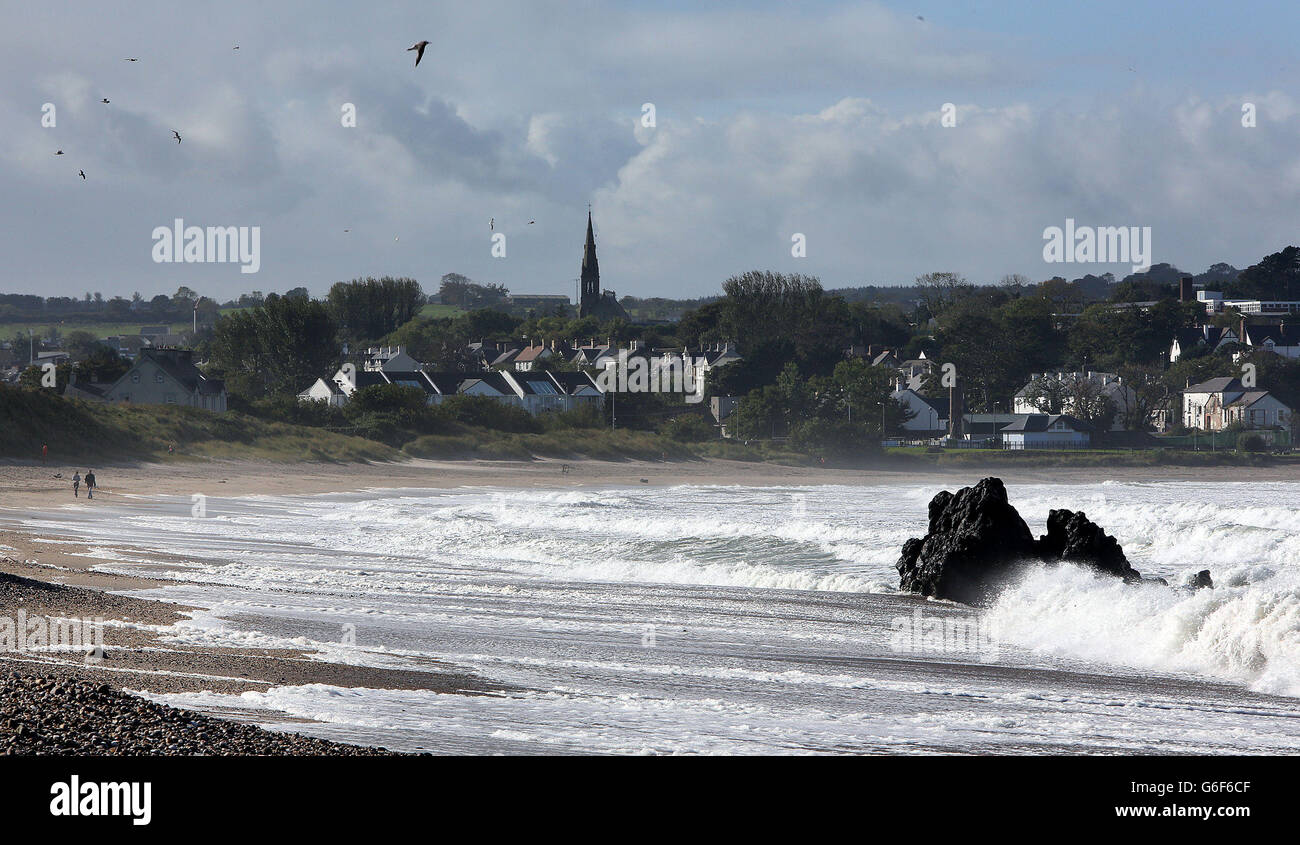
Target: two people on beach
(90, 484)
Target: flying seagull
(130, 60)
(59, 153)
(83, 175)
(105, 100)
(419, 48)
(531, 222)
(177, 135)
(492, 224)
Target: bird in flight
(531, 222)
(176, 135)
(419, 48)
(492, 224)
(130, 60)
(59, 153)
(83, 175)
(105, 100)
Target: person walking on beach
(45, 451)
(76, 484)
(90, 484)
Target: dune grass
(74, 428)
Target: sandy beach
(32, 485)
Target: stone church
(593, 302)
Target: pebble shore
(47, 714)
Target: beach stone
(1202, 581)
(977, 542)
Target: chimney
(1241, 333)
(1185, 291)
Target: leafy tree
(280, 347)
(367, 309)
(1276, 276)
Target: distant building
(529, 357)
(722, 407)
(1047, 431)
(929, 415)
(1279, 338)
(1109, 385)
(158, 377)
(390, 358)
(546, 302)
(1220, 402)
(1211, 337)
(593, 302)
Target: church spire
(590, 272)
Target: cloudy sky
(770, 119)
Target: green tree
(368, 309)
(280, 347)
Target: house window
(135, 378)
(170, 398)
(158, 377)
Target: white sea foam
(734, 619)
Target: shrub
(1251, 443)
(688, 428)
(486, 412)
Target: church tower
(590, 274)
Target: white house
(324, 390)
(1209, 336)
(1047, 431)
(382, 358)
(159, 377)
(1257, 409)
(1220, 402)
(530, 355)
(1273, 337)
(929, 415)
(1109, 385)
(492, 385)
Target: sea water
(732, 619)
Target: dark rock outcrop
(977, 542)
(1073, 538)
(1201, 581)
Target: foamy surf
(737, 620)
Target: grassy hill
(441, 311)
(76, 429)
(98, 329)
